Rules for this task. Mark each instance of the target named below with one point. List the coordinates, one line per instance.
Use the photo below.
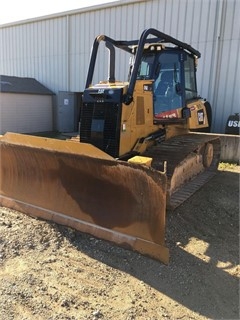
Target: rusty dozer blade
(78, 185)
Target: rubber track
(176, 150)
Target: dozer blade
(78, 185)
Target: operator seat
(165, 83)
(165, 95)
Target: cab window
(167, 95)
(146, 67)
(190, 78)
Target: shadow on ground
(200, 281)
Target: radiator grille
(100, 126)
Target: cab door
(168, 93)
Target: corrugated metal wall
(55, 50)
(25, 112)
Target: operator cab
(174, 78)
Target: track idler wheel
(208, 155)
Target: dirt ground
(48, 271)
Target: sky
(16, 10)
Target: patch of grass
(225, 166)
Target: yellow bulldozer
(138, 153)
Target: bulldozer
(139, 152)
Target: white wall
(25, 113)
(55, 49)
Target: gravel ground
(48, 271)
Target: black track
(174, 151)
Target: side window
(190, 78)
(145, 68)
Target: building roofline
(116, 3)
(26, 85)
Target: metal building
(55, 49)
(26, 105)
